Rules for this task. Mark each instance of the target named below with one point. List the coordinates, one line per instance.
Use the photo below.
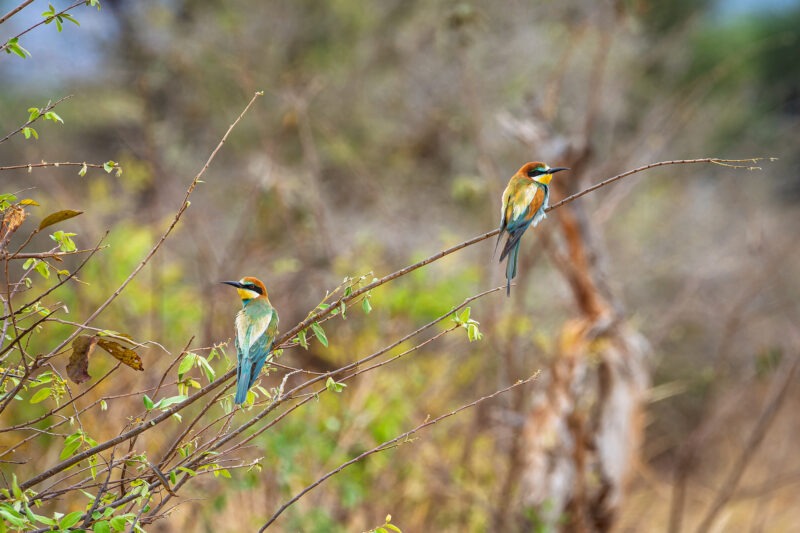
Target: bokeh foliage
(383, 137)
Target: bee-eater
(524, 202)
(256, 327)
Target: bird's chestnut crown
(248, 287)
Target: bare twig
(45, 164)
(15, 10)
(390, 444)
(43, 21)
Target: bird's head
(538, 171)
(249, 288)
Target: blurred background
(386, 133)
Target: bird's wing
(249, 328)
(527, 203)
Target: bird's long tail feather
(511, 266)
(243, 377)
(257, 366)
(497, 242)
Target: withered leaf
(13, 219)
(124, 355)
(78, 366)
(58, 216)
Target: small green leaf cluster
(192, 360)
(386, 527)
(52, 16)
(463, 320)
(334, 386)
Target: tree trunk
(583, 431)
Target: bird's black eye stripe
(253, 287)
(536, 172)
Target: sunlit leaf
(186, 364)
(70, 520)
(58, 216)
(71, 444)
(124, 355)
(41, 395)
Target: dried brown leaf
(78, 366)
(58, 216)
(14, 217)
(124, 355)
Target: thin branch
(43, 21)
(391, 444)
(63, 280)
(45, 164)
(42, 111)
(732, 163)
(16, 10)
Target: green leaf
(320, 333)
(393, 528)
(70, 520)
(206, 368)
(42, 269)
(40, 396)
(13, 46)
(103, 405)
(58, 216)
(186, 364)
(473, 333)
(102, 527)
(14, 518)
(148, 403)
(64, 241)
(71, 445)
(52, 115)
(29, 132)
(465, 315)
(334, 386)
(82, 171)
(301, 338)
(366, 306)
(108, 166)
(118, 523)
(166, 402)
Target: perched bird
(524, 202)
(256, 327)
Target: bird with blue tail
(256, 328)
(524, 203)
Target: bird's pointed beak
(557, 169)
(232, 284)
